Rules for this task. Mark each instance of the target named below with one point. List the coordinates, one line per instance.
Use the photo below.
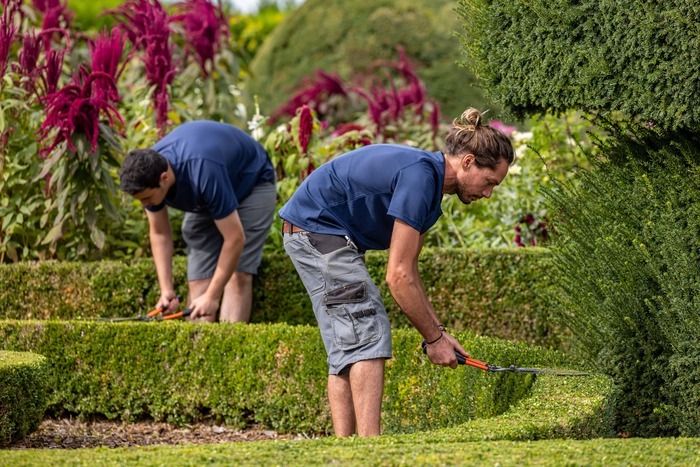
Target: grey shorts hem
(333, 370)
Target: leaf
(98, 237)
(54, 234)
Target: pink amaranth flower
(507, 130)
(387, 101)
(106, 53)
(56, 20)
(52, 70)
(346, 128)
(435, 117)
(519, 241)
(29, 55)
(8, 31)
(76, 109)
(314, 92)
(306, 127)
(362, 140)
(146, 24)
(205, 28)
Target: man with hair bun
(373, 198)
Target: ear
(164, 177)
(467, 160)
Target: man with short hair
(224, 181)
(373, 198)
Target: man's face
(151, 196)
(474, 182)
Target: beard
(465, 197)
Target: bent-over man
(374, 198)
(224, 181)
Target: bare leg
(238, 298)
(197, 288)
(367, 387)
(340, 399)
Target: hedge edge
(274, 375)
(23, 394)
(501, 293)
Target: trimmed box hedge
(23, 390)
(501, 293)
(275, 375)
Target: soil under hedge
(70, 433)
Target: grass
(390, 450)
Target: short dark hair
(141, 170)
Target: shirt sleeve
(414, 194)
(216, 191)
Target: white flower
(256, 124)
(520, 136)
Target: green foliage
(628, 277)
(23, 394)
(249, 31)
(92, 15)
(500, 293)
(275, 375)
(347, 36)
(22, 198)
(552, 150)
(592, 55)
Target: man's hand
(443, 351)
(168, 301)
(203, 306)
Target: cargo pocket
(325, 244)
(353, 318)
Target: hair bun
(470, 120)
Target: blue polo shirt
(216, 167)
(361, 193)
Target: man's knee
(240, 280)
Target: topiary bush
(594, 55)
(346, 36)
(275, 376)
(501, 293)
(23, 394)
(628, 278)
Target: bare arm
(161, 239)
(407, 289)
(234, 238)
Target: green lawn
(392, 450)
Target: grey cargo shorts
(348, 306)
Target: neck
(171, 178)
(449, 186)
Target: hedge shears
(156, 314)
(469, 361)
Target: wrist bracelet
(434, 341)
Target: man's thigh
(256, 213)
(204, 240)
(346, 302)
